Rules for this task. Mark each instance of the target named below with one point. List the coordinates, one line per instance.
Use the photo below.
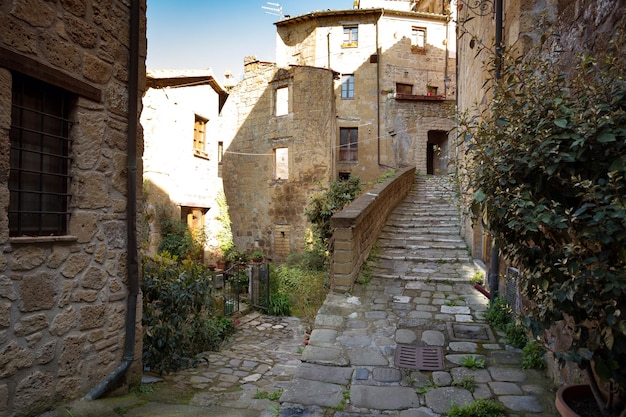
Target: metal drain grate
(420, 358)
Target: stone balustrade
(357, 227)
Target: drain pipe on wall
(494, 264)
(132, 264)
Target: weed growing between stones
(473, 362)
(479, 408)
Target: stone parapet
(356, 227)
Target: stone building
(396, 85)
(280, 124)
(183, 150)
(71, 78)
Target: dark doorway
(437, 152)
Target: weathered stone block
(84, 225)
(92, 316)
(38, 291)
(7, 288)
(58, 256)
(31, 324)
(5, 314)
(36, 13)
(27, 257)
(94, 278)
(13, 358)
(33, 393)
(115, 234)
(74, 265)
(64, 322)
(46, 353)
(71, 359)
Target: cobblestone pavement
(394, 347)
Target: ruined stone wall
(63, 299)
(267, 209)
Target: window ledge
(42, 239)
(350, 45)
(200, 154)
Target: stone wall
(357, 227)
(266, 205)
(63, 298)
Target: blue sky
(195, 34)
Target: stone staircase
(421, 239)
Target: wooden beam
(26, 65)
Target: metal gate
(260, 286)
(231, 288)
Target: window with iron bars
(39, 158)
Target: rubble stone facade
(63, 297)
(282, 122)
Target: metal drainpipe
(132, 268)
(378, 99)
(494, 264)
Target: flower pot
(221, 265)
(566, 394)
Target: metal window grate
(39, 158)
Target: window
(347, 86)
(404, 88)
(39, 158)
(282, 101)
(281, 164)
(418, 40)
(220, 152)
(199, 137)
(350, 36)
(348, 144)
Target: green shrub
(499, 313)
(179, 316)
(279, 305)
(473, 362)
(516, 335)
(479, 408)
(176, 238)
(302, 283)
(322, 206)
(533, 356)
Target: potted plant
(549, 176)
(257, 256)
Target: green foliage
(478, 278)
(279, 305)
(225, 234)
(467, 381)
(301, 280)
(533, 356)
(426, 387)
(479, 408)
(516, 335)
(272, 396)
(177, 239)
(179, 317)
(473, 362)
(499, 313)
(548, 173)
(322, 206)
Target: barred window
(39, 158)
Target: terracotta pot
(564, 394)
